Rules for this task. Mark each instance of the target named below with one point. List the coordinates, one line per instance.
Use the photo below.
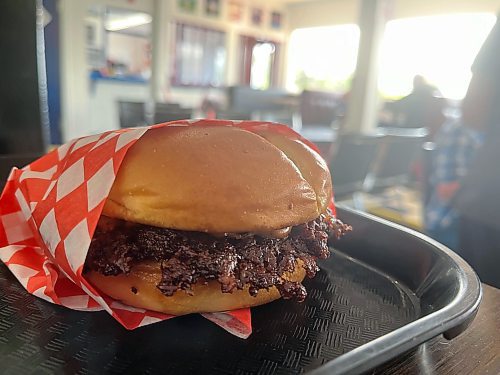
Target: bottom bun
(138, 289)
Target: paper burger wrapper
(49, 211)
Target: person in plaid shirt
(478, 201)
(456, 145)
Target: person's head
(419, 82)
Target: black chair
(165, 107)
(245, 99)
(428, 155)
(352, 162)
(397, 154)
(132, 114)
(14, 160)
(165, 112)
(318, 108)
(317, 112)
(231, 115)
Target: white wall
(411, 8)
(75, 83)
(322, 13)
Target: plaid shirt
(456, 145)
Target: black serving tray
(385, 290)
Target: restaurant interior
(370, 84)
(378, 85)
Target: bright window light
(122, 22)
(322, 57)
(440, 48)
(262, 60)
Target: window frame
(175, 79)
(247, 43)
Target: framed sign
(212, 8)
(276, 20)
(235, 11)
(187, 6)
(257, 14)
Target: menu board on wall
(187, 6)
(235, 11)
(276, 20)
(212, 8)
(257, 14)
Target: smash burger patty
(211, 217)
(234, 260)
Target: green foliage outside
(305, 82)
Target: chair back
(398, 152)
(7, 162)
(428, 155)
(244, 99)
(165, 112)
(231, 115)
(352, 162)
(318, 108)
(131, 114)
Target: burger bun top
(219, 179)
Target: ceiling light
(128, 21)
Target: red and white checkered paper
(49, 211)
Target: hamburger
(213, 218)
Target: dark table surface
(476, 351)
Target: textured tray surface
(348, 305)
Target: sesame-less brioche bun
(138, 289)
(219, 179)
(311, 165)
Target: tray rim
(456, 315)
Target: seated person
(456, 145)
(477, 201)
(410, 111)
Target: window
(440, 48)
(262, 63)
(118, 42)
(200, 56)
(259, 62)
(322, 57)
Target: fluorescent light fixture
(125, 22)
